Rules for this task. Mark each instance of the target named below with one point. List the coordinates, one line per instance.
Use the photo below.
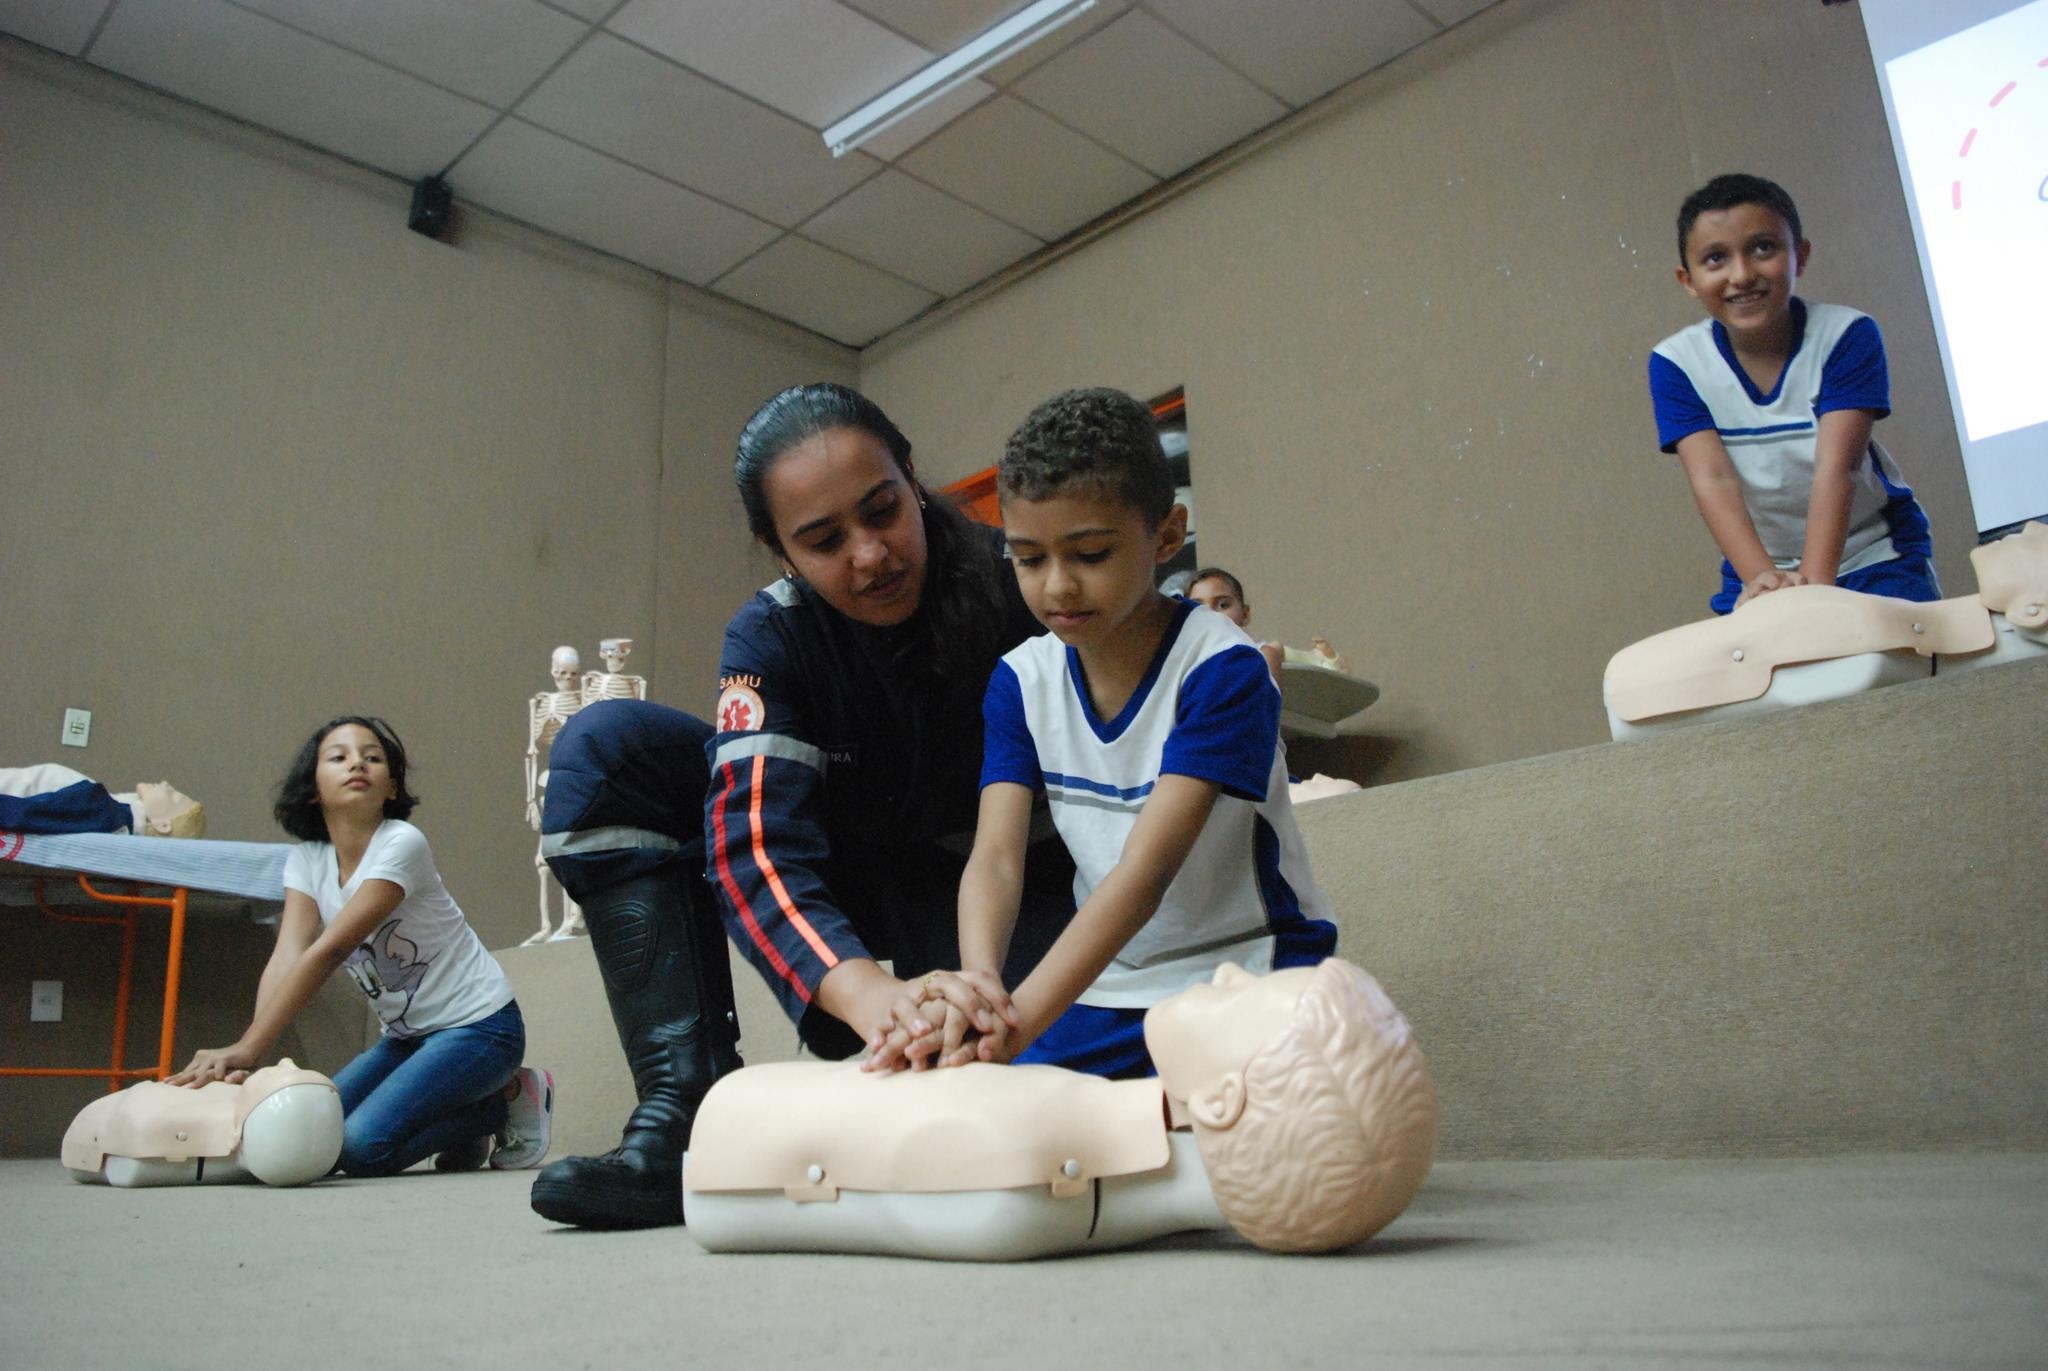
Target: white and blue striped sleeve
(1856, 375)
(1007, 751)
(1676, 402)
(1226, 724)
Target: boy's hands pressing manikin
(1766, 582)
(945, 1018)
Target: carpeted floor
(1893, 1261)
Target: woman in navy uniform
(824, 813)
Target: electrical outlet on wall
(46, 1002)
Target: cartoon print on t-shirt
(387, 964)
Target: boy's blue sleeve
(1855, 375)
(1226, 724)
(1677, 403)
(1007, 752)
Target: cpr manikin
(545, 715)
(1804, 644)
(157, 809)
(1295, 1108)
(280, 1126)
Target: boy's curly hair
(1097, 439)
(1729, 190)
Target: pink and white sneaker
(523, 1141)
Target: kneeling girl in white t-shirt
(362, 894)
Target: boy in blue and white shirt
(1152, 726)
(1769, 403)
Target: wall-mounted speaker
(433, 203)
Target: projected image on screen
(1972, 112)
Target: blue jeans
(405, 1099)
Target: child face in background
(1085, 562)
(1742, 265)
(1216, 593)
(353, 772)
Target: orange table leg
(174, 963)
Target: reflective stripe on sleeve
(616, 838)
(769, 745)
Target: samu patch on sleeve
(739, 705)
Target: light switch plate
(77, 728)
(46, 1001)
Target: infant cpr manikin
(281, 1126)
(1295, 1108)
(1810, 643)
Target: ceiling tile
(939, 25)
(826, 292)
(60, 25)
(1304, 48)
(534, 175)
(907, 133)
(1144, 90)
(489, 50)
(648, 111)
(926, 235)
(250, 67)
(1026, 168)
(813, 59)
(1105, 12)
(1449, 12)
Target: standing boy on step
(1769, 403)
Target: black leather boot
(662, 953)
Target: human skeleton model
(1804, 644)
(281, 1126)
(612, 683)
(545, 715)
(1295, 1108)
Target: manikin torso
(281, 1126)
(1809, 643)
(1007, 1162)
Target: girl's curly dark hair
(297, 809)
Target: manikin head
(1311, 1103)
(565, 665)
(615, 651)
(168, 812)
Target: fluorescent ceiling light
(1013, 35)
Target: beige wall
(1413, 335)
(269, 456)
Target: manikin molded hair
(297, 809)
(962, 608)
(1726, 192)
(1098, 440)
(1338, 1125)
